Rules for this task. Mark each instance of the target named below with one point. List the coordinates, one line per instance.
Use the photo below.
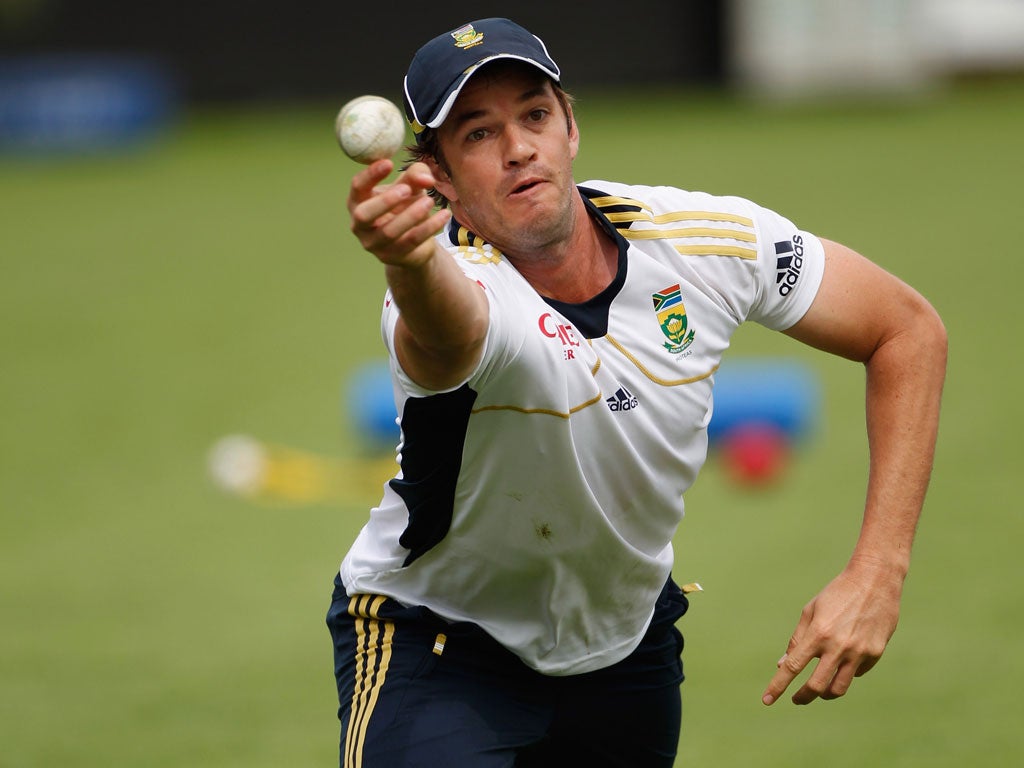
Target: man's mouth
(526, 186)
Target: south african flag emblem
(671, 312)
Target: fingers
(417, 176)
(789, 666)
(792, 662)
(393, 221)
(828, 682)
(396, 237)
(366, 184)
(846, 628)
(837, 665)
(866, 665)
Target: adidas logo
(790, 261)
(622, 400)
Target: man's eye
(476, 135)
(538, 114)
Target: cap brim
(456, 88)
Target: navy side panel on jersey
(434, 432)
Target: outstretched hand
(395, 222)
(846, 627)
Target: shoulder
(661, 199)
(689, 218)
(692, 223)
(749, 257)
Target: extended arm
(865, 314)
(440, 333)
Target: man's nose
(518, 145)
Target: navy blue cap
(441, 68)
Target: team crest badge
(467, 37)
(671, 312)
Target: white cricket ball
(370, 128)
(238, 463)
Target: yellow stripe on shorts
(373, 656)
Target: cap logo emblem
(466, 37)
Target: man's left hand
(846, 627)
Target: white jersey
(539, 499)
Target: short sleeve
(791, 263)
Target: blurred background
(220, 50)
(193, 433)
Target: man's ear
(443, 182)
(574, 134)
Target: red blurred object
(755, 454)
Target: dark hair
(427, 146)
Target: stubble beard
(540, 236)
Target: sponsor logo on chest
(564, 333)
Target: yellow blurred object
(247, 467)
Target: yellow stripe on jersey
(541, 411)
(669, 218)
(475, 255)
(656, 379)
(610, 200)
(623, 221)
(373, 657)
(548, 411)
(717, 250)
(463, 236)
(646, 213)
(663, 234)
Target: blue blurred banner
(772, 392)
(83, 102)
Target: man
(510, 600)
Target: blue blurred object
(753, 392)
(771, 392)
(371, 406)
(81, 103)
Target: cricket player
(553, 347)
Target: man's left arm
(863, 313)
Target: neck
(574, 269)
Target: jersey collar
(459, 235)
(590, 317)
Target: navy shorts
(415, 690)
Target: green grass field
(152, 302)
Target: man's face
(509, 152)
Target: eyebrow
(531, 93)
